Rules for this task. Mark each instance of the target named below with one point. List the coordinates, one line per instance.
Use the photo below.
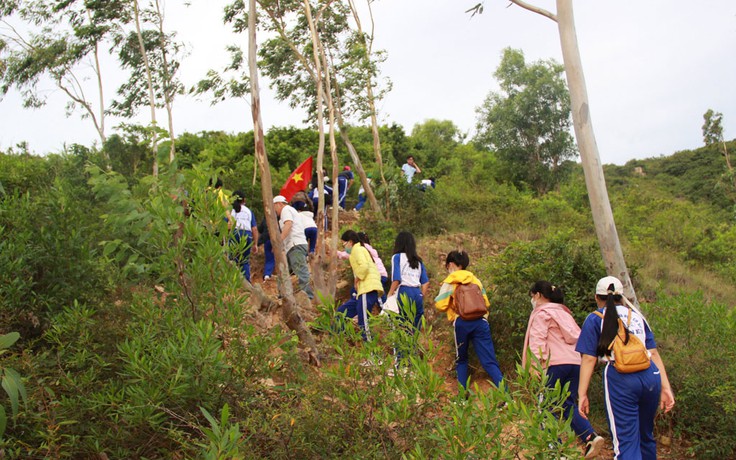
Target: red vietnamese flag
(298, 180)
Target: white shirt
(244, 220)
(296, 235)
(409, 172)
(307, 218)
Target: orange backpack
(469, 301)
(631, 356)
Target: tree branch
(534, 9)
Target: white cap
(603, 284)
(279, 199)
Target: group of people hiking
(616, 334)
(635, 380)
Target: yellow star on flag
(297, 178)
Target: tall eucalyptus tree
(605, 226)
(289, 310)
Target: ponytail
(239, 200)
(549, 291)
(609, 329)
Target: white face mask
(534, 304)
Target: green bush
(695, 338)
(560, 259)
(48, 256)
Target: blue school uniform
(245, 221)
(411, 280)
(631, 399)
(342, 186)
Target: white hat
(279, 199)
(603, 284)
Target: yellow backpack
(631, 356)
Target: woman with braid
(632, 398)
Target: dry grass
(664, 272)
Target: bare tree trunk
(320, 278)
(100, 91)
(290, 312)
(168, 102)
(600, 205)
(324, 92)
(369, 88)
(149, 78)
(605, 227)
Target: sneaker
(267, 277)
(594, 446)
(371, 363)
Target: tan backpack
(631, 356)
(469, 302)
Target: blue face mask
(349, 249)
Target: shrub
(561, 259)
(695, 339)
(48, 256)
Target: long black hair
(610, 322)
(364, 238)
(405, 243)
(548, 291)
(238, 201)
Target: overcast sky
(652, 69)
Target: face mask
(534, 304)
(349, 249)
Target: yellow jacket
(364, 270)
(443, 301)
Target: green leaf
(7, 340)
(3, 421)
(19, 383)
(12, 390)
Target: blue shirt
(590, 333)
(401, 271)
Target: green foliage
(11, 382)
(528, 122)
(561, 259)
(151, 347)
(695, 339)
(523, 422)
(695, 175)
(432, 141)
(224, 437)
(23, 173)
(48, 253)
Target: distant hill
(692, 174)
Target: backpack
(631, 356)
(469, 301)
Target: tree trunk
(324, 76)
(149, 78)
(168, 97)
(368, 43)
(100, 91)
(321, 279)
(289, 310)
(600, 205)
(605, 227)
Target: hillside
(138, 338)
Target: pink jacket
(374, 254)
(551, 335)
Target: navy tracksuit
(631, 399)
(477, 331)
